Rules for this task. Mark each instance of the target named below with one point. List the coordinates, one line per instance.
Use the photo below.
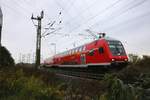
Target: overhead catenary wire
(22, 7)
(137, 19)
(84, 11)
(71, 4)
(51, 32)
(99, 13)
(4, 5)
(118, 15)
(134, 6)
(50, 25)
(110, 17)
(25, 14)
(62, 8)
(76, 10)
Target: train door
(83, 59)
(95, 56)
(91, 56)
(101, 55)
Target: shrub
(117, 90)
(17, 86)
(134, 59)
(5, 57)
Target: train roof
(105, 38)
(110, 39)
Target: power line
(71, 4)
(111, 16)
(137, 18)
(22, 7)
(27, 2)
(74, 18)
(12, 9)
(29, 11)
(63, 9)
(99, 13)
(50, 25)
(116, 16)
(51, 32)
(85, 10)
(137, 4)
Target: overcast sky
(126, 20)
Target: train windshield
(116, 48)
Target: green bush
(134, 59)
(5, 57)
(137, 61)
(19, 87)
(144, 62)
(117, 90)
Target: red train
(102, 52)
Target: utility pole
(1, 22)
(38, 41)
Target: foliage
(136, 61)
(117, 90)
(138, 69)
(133, 58)
(5, 57)
(26, 83)
(144, 62)
(17, 86)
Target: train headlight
(125, 59)
(112, 59)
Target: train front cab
(117, 54)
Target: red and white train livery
(102, 52)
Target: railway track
(89, 73)
(77, 73)
(80, 72)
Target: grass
(16, 85)
(27, 83)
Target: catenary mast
(1, 22)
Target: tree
(134, 59)
(5, 57)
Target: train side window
(101, 50)
(91, 52)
